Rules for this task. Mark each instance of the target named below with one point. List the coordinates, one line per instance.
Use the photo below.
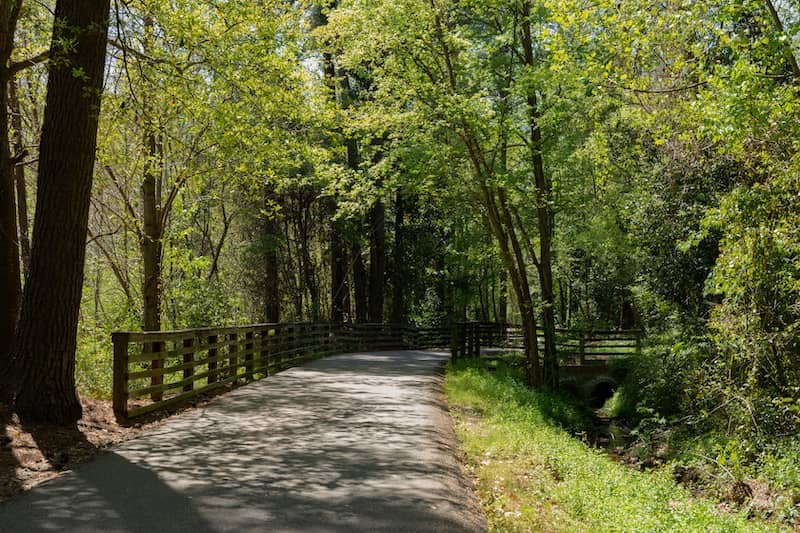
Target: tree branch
(41, 57)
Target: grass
(533, 474)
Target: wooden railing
(572, 346)
(153, 370)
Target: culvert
(598, 390)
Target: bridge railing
(573, 346)
(153, 370)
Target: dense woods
(571, 164)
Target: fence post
(154, 347)
(248, 356)
(233, 357)
(120, 385)
(477, 341)
(188, 358)
(582, 347)
(265, 350)
(212, 354)
(638, 343)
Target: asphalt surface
(354, 442)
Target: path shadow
(347, 443)
(108, 494)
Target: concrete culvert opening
(600, 391)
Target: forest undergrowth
(535, 471)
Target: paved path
(355, 442)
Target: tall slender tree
(10, 288)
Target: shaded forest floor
(33, 453)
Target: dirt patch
(33, 453)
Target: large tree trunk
(544, 215)
(10, 288)
(43, 352)
(377, 261)
(399, 273)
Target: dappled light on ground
(352, 442)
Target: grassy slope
(533, 475)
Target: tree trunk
(359, 280)
(271, 240)
(151, 244)
(10, 288)
(341, 291)
(377, 261)
(339, 287)
(502, 227)
(544, 215)
(502, 301)
(399, 273)
(43, 352)
(309, 277)
(19, 177)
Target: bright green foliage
(671, 133)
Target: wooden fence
(572, 346)
(153, 370)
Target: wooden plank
(249, 350)
(176, 399)
(188, 359)
(176, 368)
(233, 357)
(169, 354)
(119, 393)
(212, 365)
(180, 334)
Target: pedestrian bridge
(153, 370)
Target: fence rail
(573, 346)
(153, 370)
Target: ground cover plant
(534, 473)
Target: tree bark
(377, 261)
(308, 267)
(271, 241)
(502, 301)
(544, 214)
(399, 273)
(359, 280)
(10, 288)
(19, 177)
(339, 288)
(43, 352)
(151, 243)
